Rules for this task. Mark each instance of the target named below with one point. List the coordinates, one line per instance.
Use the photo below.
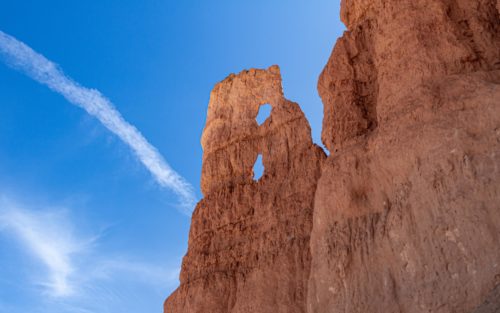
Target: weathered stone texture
(249, 240)
(403, 216)
(407, 215)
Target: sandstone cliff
(403, 216)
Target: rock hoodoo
(249, 240)
(403, 216)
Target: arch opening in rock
(258, 168)
(264, 113)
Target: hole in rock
(264, 113)
(258, 168)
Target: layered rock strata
(249, 240)
(403, 216)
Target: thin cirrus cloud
(50, 240)
(21, 57)
(73, 266)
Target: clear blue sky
(84, 227)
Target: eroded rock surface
(407, 210)
(492, 302)
(403, 216)
(249, 240)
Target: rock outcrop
(249, 240)
(407, 210)
(403, 216)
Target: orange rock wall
(403, 216)
(407, 215)
(249, 240)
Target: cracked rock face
(249, 240)
(403, 216)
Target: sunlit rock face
(249, 240)
(402, 216)
(407, 209)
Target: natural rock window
(258, 168)
(264, 113)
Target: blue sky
(84, 225)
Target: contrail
(21, 57)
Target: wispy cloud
(150, 273)
(21, 57)
(50, 239)
(75, 270)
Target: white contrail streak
(21, 57)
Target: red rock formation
(403, 216)
(407, 215)
(249, 240)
